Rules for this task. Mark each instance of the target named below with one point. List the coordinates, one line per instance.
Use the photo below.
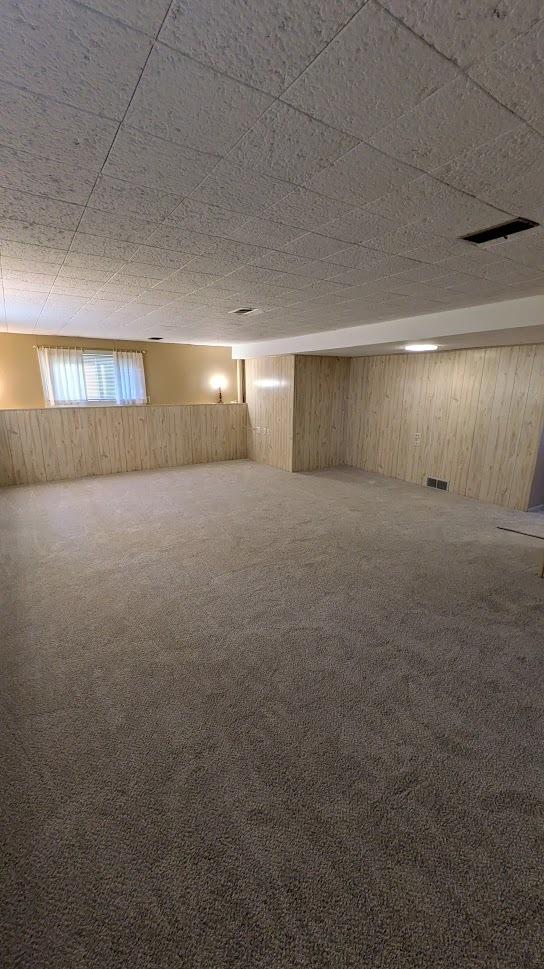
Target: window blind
(99, 372)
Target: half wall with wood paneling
(270, 398)
(472, 417)
(74, 442)
(320, 394)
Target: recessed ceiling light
(155, 338)
(421, 347)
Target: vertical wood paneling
(6, 463)
(64, 443)
(320, 399)
(25, 444)
(270, 401)
(532, 428)
(477, 415)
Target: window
(91, 377)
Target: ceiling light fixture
(244, 311)
(421, 347)
(155, 338)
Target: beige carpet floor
(253, 719)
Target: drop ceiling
(162, 164)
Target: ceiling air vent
(500, 231)
(243, 311)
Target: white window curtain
(63, 377)
(129, 377)
(80, 378)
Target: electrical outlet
(417, 439)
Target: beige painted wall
(175, 373)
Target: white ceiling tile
(268, 47)
(141, 158)
(125, 277)
(492, 267)
(14, 230)
(23, 309)
(361, 175)
(47, 129)
(22, 172)
(32, 282)
(188, 104)
(31, 254)
(371, 73)
(420, 273)
(149, 204)
(314, 246)
(76, 262)
(359, 225)
(241, 189)
(175, 236)
(29, 265)
(126, 290)
(466, 31)
(456, 118)
(515, 75)
(113, 225)
(183, 281)
(180, 239)
(407, 237)
(306, 210)
(150, 271)
(220, 265)
(506, 172)
(62, 306)
(76, 287)
(437, 250)
(359, 257)
(82, 58)
(526, 248)
(265, 277)
(155, 297)
(286, 262)
(201, 217)
(84, 273)
(96, 251)
(287, 144)
(37, 208)
(449, 211)
(262, 232)
(145, 15)
(162, 258)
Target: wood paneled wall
(320, 395)
(472, 417)
(270, 398)
(73, 442)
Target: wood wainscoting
(75, 442)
